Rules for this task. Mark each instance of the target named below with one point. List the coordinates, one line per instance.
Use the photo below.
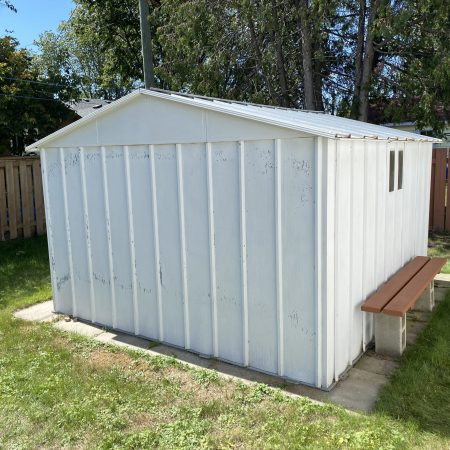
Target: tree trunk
(318, 83)
(367, 66)
(282, 78)
(359, 57)
(307, 56)
(258, 57)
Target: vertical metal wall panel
(369, 247)
(120, 245)
(426, 149)
(359, 207)
(142, 207)
(170, 276)
(380, 226)
(53, 174)
(197, 247)
(409, 181)
(77, 233)
(226, 193)
(99, 241)
(48, 219)
(426, 183)
(226, 241)
(342, 256)
(297, 223)
(390, 220)
(398, 217)
(328, 178)
(418, 201)
(261, 254)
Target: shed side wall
(377, 231)
(206, 246)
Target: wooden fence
(21, 198)
(439, 194)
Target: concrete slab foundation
(357, 390)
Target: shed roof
(311, 122)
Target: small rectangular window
(400, 170)
(391, 170)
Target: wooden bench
(411, 287)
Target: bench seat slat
(408, 296)
(376, 302)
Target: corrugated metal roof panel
(309, 121)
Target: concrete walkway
(357, 390)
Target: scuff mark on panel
(101, 279)
(61, 281)
(71, 160)
(139, 155)
(302, 165)
(92, 156)
(306, 193)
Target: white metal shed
(244, 232)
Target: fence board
(11, 199)
(38, 198)
(433, 176)
(21, 198)
(439, 203)
(26, 211)
(3, 210)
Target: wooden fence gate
(439, 193)
(21, 198)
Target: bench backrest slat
(377, 301)
(408, 296)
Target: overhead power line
(30, 97)
(32, 81)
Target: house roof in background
(86, 106)
(310, 122)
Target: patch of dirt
(101, 359)
(222, 390)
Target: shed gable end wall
(148, 120)
(205, 246)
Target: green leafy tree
(338, 55)
(29, 107)
(83, 59)
(8, 4)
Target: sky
(33, 17)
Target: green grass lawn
(60, 390)
(439, 245)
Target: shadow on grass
(24, 271)
(420, 389)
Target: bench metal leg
(390, 334)
(426, 300)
